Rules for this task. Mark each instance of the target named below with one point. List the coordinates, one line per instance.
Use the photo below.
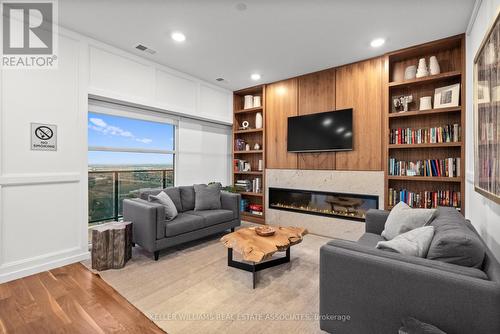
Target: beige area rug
(192, 290)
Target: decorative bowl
(265, 231)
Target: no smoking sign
(43, 137)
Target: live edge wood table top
(255, 248)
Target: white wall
(483, 213)
(43, 195)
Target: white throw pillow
(415, 242)
(166, 201)
(402, 219)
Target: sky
(122, 132)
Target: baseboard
(37, 268)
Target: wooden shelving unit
(251, 136)
(450, 53)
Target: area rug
(192, 290)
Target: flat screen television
(321, 132)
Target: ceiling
(278, 39)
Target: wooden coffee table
(259, 250)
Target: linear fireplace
(330, 204)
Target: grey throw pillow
(454, 241)
(207, 197)
(402, 219)
(414, 243)
(170, 209)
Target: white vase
(256, 101)
(422, 69)
(248, 102)
(490, 54)
(258, 120)
(410, 72)
(256, 146)
(425, 103)
(434, 66)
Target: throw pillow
(402, 219)
(206, 197)
(414, 326)
(455, 242)
(170, 209)
(414, 243)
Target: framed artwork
(486, 102)
(448, 96)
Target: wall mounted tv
(321, 132)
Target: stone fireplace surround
(359, 182)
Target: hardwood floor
(69, 299)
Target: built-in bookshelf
(424, 150)
(249, 163)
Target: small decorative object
(256, 101)
(247, 147)
(258, 120)
(483, 92)
(401, 103)
(247, 167)
(422, 70)
(265, 231)
(410, 72)
(447, 96)
(245, 125)
(256, 146)
(486, 120)
(261, 165)
(425, 103)
(239, 144)
(434, 66)
(248, 102)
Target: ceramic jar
(258, 120)
(256, 101)
(422, 70)
(248, 102)
(434, 66)
(410, 72)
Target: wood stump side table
(111, 245)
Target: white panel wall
(121, 76)
(204, 153)
(43, 195)
(483, 213)
(43, 206)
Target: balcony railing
(107, 189)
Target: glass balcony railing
(108, 189)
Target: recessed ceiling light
(178, 36)
(255, 76)
(377, 42)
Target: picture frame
(486, 103)
(447, 96)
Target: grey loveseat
(152, 232)
(376, 288)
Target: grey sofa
(377, 288)
(152, 232)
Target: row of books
(425, 199)
(449, 167)
(443, 134)
(254, 185)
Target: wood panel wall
(357, 86)
(316, 94)
(281, 103)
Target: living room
(241, 167)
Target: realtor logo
(29, 34)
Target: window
(128, 151)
